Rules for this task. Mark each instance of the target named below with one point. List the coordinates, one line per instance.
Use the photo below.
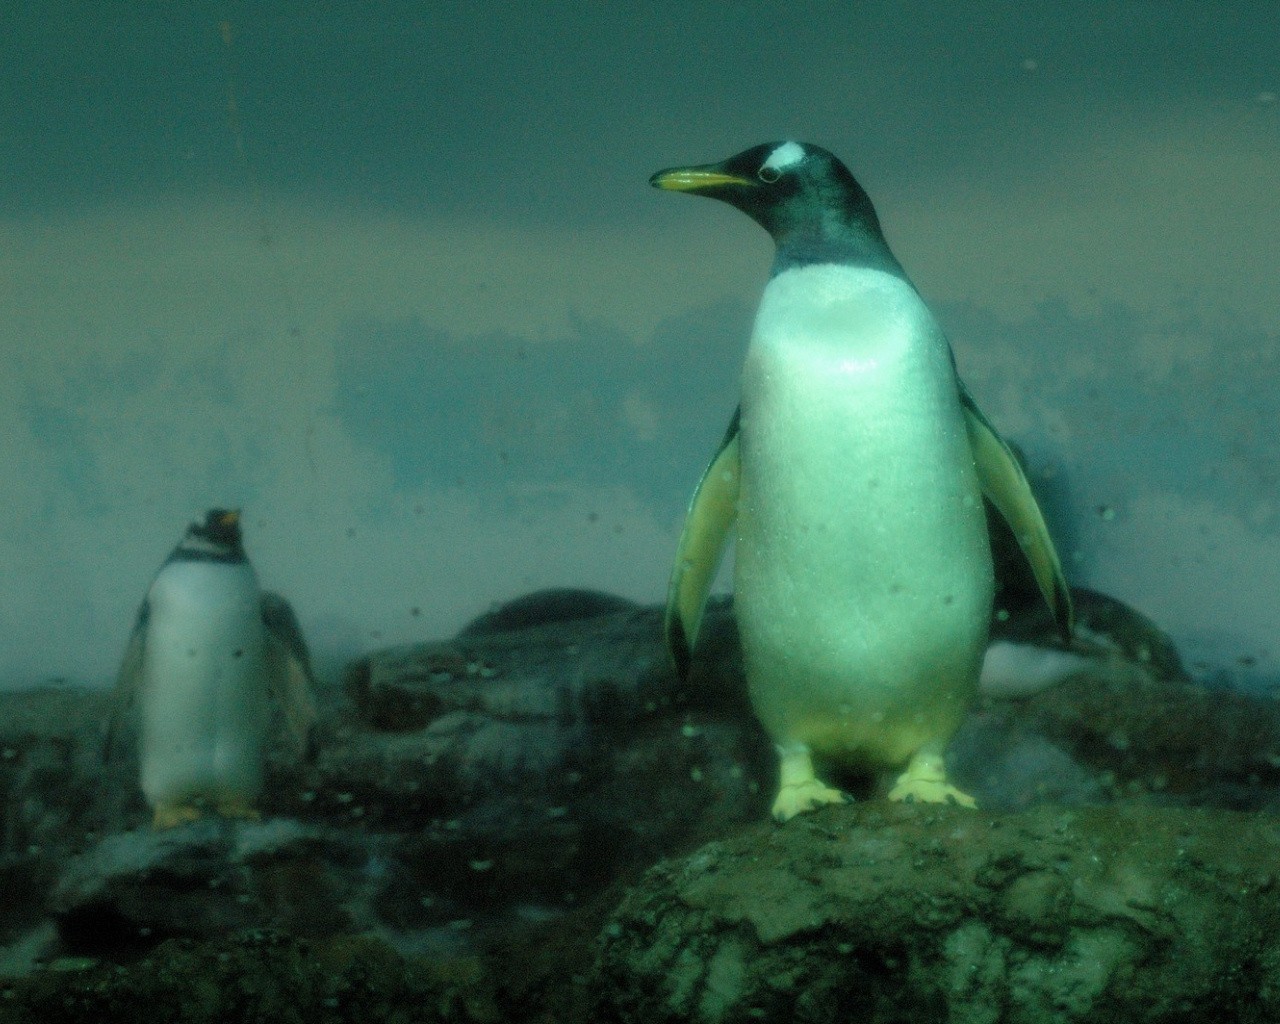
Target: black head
(806, 199)
(217, 537)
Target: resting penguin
(856, 467)
(208, 647)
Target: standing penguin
(208, 647)
(856, 467)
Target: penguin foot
(168, 816)
(793, 800)
(799, 789)
(237, 807)
(925, 782)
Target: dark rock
(599, 674)
(560, 760)
(54, 789)
(201, 881)
(560, 757)
(544, 608)
(257, 975)
(56, 800)
(895, 913)
(481, 792)
(1176, 742)
(1109, 637)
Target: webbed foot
(793, 800)
(799, 788)
(925, 782)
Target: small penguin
(856, 467)
(207, 648)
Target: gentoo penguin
(856, 468)
(207, 648)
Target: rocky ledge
(477, 840)
(893, 913)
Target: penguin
(858, 470)
(207, 649)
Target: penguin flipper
(1005, 485)
(127, 680)
(712, 510)
(289, 671)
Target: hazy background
(389, 276)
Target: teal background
(389, 276)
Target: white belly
(863, 574)
(203, 700)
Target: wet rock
(257, 975)
(1120, 719)
(503, 780)
(893, 913)
(56, 799)
(561, 759)
(1183, 743)
(543, 608)
(561, 756)
(602, 673)
(55, 791)
(203, 880)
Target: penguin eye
(768, 174)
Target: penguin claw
(930, 791)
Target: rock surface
(256, 976)
(897, 913)
(478, 804)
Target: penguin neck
(836, 240)
(197, 549)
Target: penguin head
(800, 193)
(221, 528)
(217, 539)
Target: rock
(893, 913)
(498, 782)
(1176, 742)
(55, 790)
(1121, 720)
(204, 880)
(565, 759)
(257, 975)
(602, 672)
(560, 756)
(543, 608)
(57, 799)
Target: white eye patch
(786, 155)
